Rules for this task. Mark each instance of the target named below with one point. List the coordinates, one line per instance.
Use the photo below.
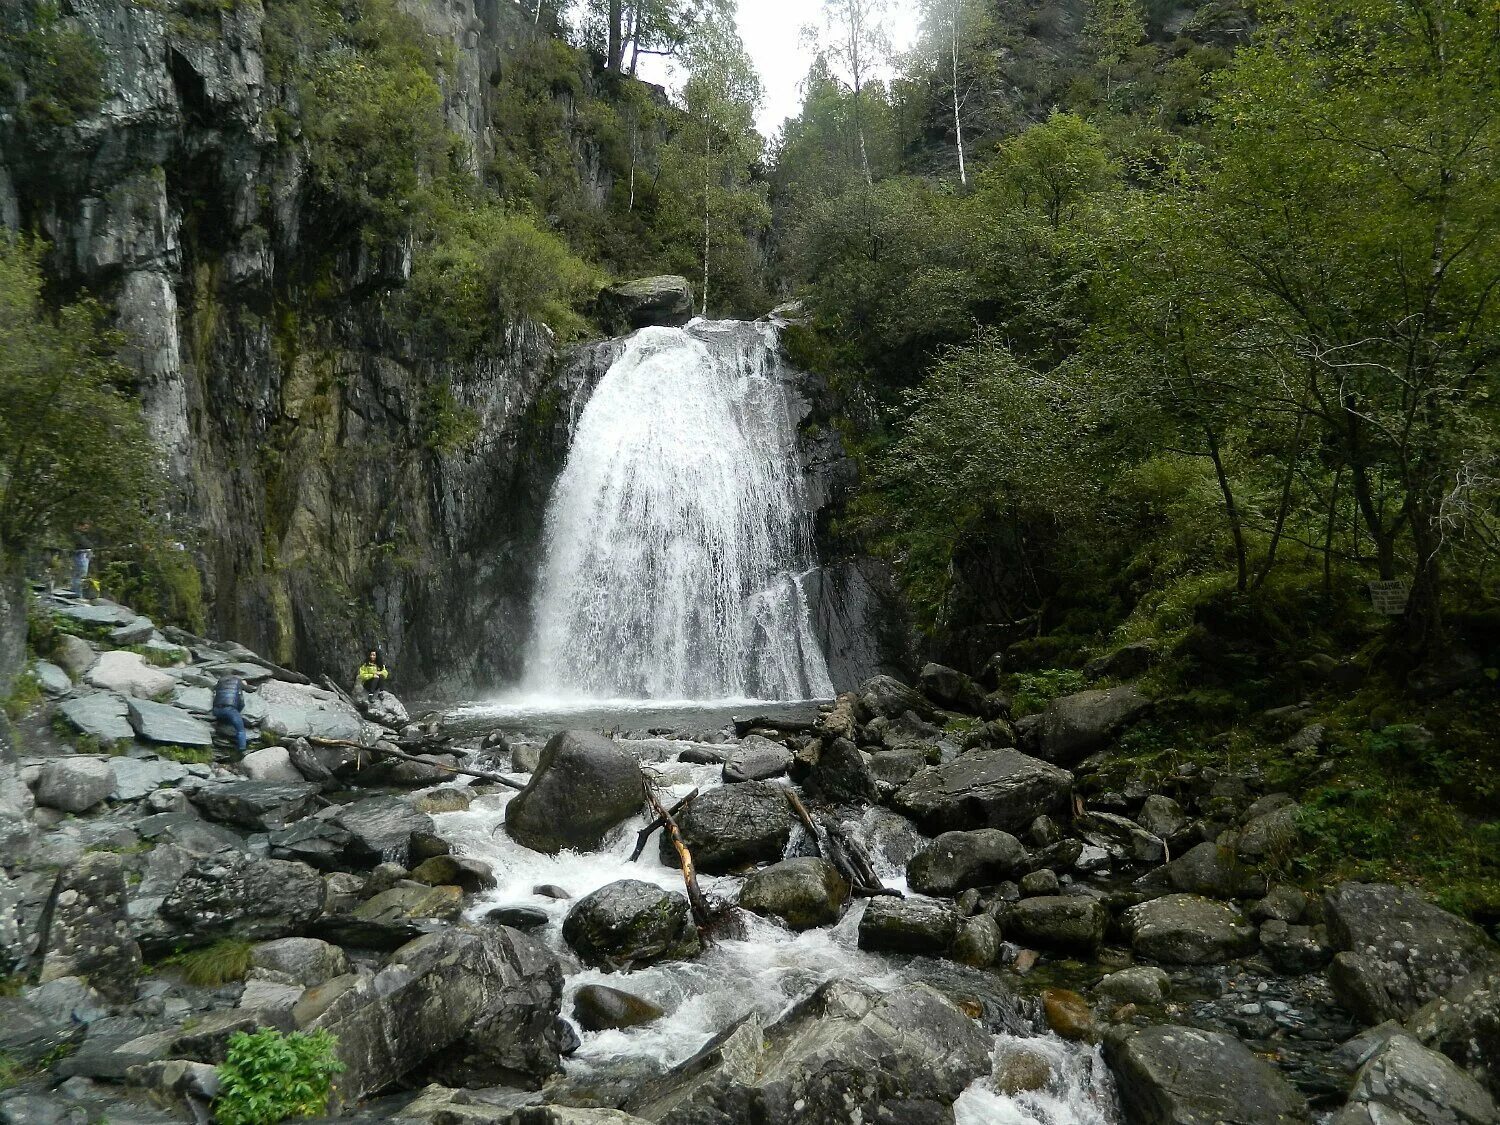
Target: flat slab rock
(129, 674)
(102, 715)
(299, 711)
(1170, 1075)
(167, 725)
(984, 789)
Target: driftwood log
(845, 853)
(701, 914)
(401, 755)
(647, 832)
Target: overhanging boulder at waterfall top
(627, 305)
(584, 786)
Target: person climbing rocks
(83, 554)
(373, 674)
(229, 706)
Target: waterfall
(678, 532)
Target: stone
(643, 302)
(892, 840)
(757, 759)
(244, 896)
(380, 830)
(74, 785)
(1020, 1069)
(51, 679)
(1068, 1014)
(978, 941)
(260, 806)
(27, 1034)
(802, 892)
(1140, 984)
(956, 861)
(1212, 870)
(887, 697)
(445, 800)
(1162, 816)
(312, 840)
(189, 832)
(842, 776)
(1396, 950)
(273, 763)
(907, 926)
(134, 632)
(1125, 663)
(732, 826)
(1040, 882)
(984, 789)
(164, 724)
(584, 787)
(518, 917)
(1064, 923)
(384, 708)
(566, 1115)
(1295, 950)
(1282, 904)
(1074, 726)
(471, 875)
(75, 654)
(301, 711)
(458, 1007)
(1464, 1024)
(102, 715)
(1406, 1082)
(1169, 1075)
(14, 946)
(897, 767)
(597, 1007)
(847, 1053)
(629, 924)
(85, 932)
(306, 960)
(140, 777)
(127, 673)
(1270, 834)
(1122, 838)
(407, 902)
(951, 689)
(1186, 929)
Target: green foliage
(73, 444)
(1032, 691)
(214, 965)
(50, 69)
(268, 1077)
(156, 576)
(24, 695)
(187, 755)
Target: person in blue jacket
(229, 707)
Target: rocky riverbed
(978, 921)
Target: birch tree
(855, 38)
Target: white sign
(1390, 597)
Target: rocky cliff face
(302, 429)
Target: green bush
(213, 965)
(60, 67)
(268, 1077)
(1032, 691)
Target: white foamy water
(766, 971)
(678, 533)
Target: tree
(73, 442)
(950, 29)
(1113, 29)
(628, 29)
(855, 38)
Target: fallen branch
(696, 901)
(835, 845)
(647, 832)
(400, 755)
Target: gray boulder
(162, 723)
(847, 1053)
(597, 1007)
(1162, 816)
(956, 861)
(1270, 834)
(1170, 1075)
(1073, 726)
(1067, 923)
(298, 710)
(1188, 930)
(803, 892)
(907, 926)
(75, 654)
(629, 924)
(1404, 1082)
(757, 759)
(1139, 984)
(52, 679)
(643, 302)
(1293, 949)
(240, 895)
(28, 1034)
(1397, 950)
(1212, 870)
(584, 787)
(978, 942)
(380, 830)
(101, 714)
(732, 826)
(139, 777)
(306, 960)
(1121, 837)
(127, 673)
(260, 806)
(842, 776)
(273, 763)
(984, 789)
(951, 689)
(887, 697)
(1464, 1024)
(74, 785)
(85, 931)
(459, 1007)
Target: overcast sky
(772, 31)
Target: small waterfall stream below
(671, 598)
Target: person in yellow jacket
(373, 673)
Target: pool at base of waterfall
(755, 965)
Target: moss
(25, 695)
(58, 65)
(187, 755)
(214, 965)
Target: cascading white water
(678, 530)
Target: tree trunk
(1231, 510)
(958, 125)
(614, 42)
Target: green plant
(269, 1076)
(25, 694)
(158, 657)
(187, 755)
(213, 965)
(11, 1071)
(60, 67)
(1032, 691)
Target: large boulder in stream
(849, 1052)
(584, 787)
(733, 826)
(629, 924)
(956, 861)
(1171, 1075)
(803, 892)
(984, 789)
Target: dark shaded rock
(847, 1053)
(984, 789)
(897, 767)
(549, 890)
(1281, 904)
(380, 830)
(206, 1040)
(1171, 1075)
(1040, 882)
(28, 1034)
(757, 759)
(629, 924)
(803, 892)
(1464, 1024)
(584, 786)
(473, 875)
(842, 776)
(359, 933)
(1397, 950)
(1162, 816)
(1074, 726)
(459, 1007)
(732, 826)
(1209, 869)
(518, 917)
(977, 942)
(887, 697)
(311, 840)
(1188, 930)
(956, 861)
(1140, 984)
(951, 689)
(643, 302)
(84, 929)
(410, 902)
(1125, 663)
(239, 895)
(1068, 1014)
(1405, 1082)
(907, 926)
(1269, 834)
(260, 806)
(1121, 837)
(597, 1007)
(1295, 949)
(1065, 923)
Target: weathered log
(400, 755)
(782, 725)
(696, 901)
(647, 832)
